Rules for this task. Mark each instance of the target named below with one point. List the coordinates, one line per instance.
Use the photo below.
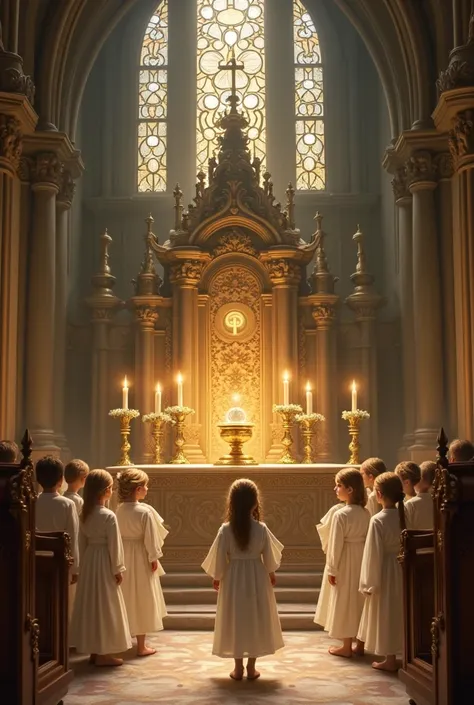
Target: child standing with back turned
(370, 469)
(242, 562)
(75, 474)
(419, 510)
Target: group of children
(115, 571)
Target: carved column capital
(146, 315)
(283, 271)
(421, 170)
(461, 135)
(67, 189)
(47, 171)
(324, 315)
(400, 185)
(10, 140)
(186, 272)
(444, 164)
(12, 78)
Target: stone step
(200, 579)
(293, 617)
(207, 595)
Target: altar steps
(191, 600)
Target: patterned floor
(185, 673)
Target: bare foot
(237, 674)
(359, 648)
(386, 665)
(146, 651)
(108, 661)
(252, 674)
(340, 651)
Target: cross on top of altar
(233, 67)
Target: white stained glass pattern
(225, 26)
(152, 103)
(309, 103)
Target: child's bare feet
(146, 651)
(108, 661)
(340, 651)
(389, 664)
(359, 648)
(237, 674)
(252, 674)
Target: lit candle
(354, 395)
(158, 399)
(180, 390)
(286, 389)
(309, 399)
(125, 394)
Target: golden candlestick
(354, 419)
(178, 417)
(158, 422)
(308, 423)
(288, 413)
(125, 416)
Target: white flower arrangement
(358, 414)
(118, 413)
(162, 416)
(170, 410)
(287, 409)
(310, 418)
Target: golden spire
(178, 207)
(290, 205)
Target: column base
(44, 443)
(424, 446)
(61, 441)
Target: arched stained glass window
(153, 102)
(225, 26)
(309, 106)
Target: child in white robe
(242, 562)
(75, 474)
(54, 512)
(370, 469)
(381, 626)
(143, 535)
(419, 510)
(324, 529)
(343, 561)
(99, 621)
(410, 475)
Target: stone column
(426, 305)
(10, 151)
(324, 314)
(185, 277)
(403, 201)
(40, 370)
(63, 205)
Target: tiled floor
(184, 672)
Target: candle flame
(125, 382)
(354, 386)
(158, 387)
(308, 387)
(180, 378)
(286, 376)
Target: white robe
(381, 626)
(57, 513)
(247, 621)
(99, 620)
(143, 535)
(324, 529)
(76, 498)
(372, 506)
(344, 558)
(419, 512)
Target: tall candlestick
(286, 389)
(309, 399)
(125, 394)
(354, 396)
(180, 390)
(158, 399)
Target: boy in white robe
(75, 474)
(419, 510)
(370, 469)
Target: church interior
(235, 241)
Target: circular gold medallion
(235, 322)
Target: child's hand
(119, 578)
(215, 584)
(74, 579)
(332, 579)
(154, 566)
(273, 579)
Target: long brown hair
(350, 477)
(390, 486)
(243, 504)
(97, 483)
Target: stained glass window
(309, 102)
(153, 100)
(226, 26)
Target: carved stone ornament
(283, 271)
(461, 136)
(420, 167)
(102, 315)
(400, 185)
(187, 271)
(146, 316)
(12, 78)
(460, 72)
(67, 189)
(32, 625)
(10, 139)
(234, 242)
(444, 165)
(47, 169)
(324, 315)
(24, 169)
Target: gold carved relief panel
(235, 353)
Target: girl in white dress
(370, 469)
(344, 558)
(410, 475)
(143, 535)
(324, 529)
(242, 562)
(419, 510)
(381, 626)
(99, 622)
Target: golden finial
(321, 264)
(105, 240)
(361, 263)
(148, 264)
(178, 207)
(290, 205)
(149, 221)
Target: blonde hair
(408, 471)
(97, 484)
(428, 471)
(75, 470)
(390, 486)
(128, 481)
(373, 466)
(350, 477)
(460, 451)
